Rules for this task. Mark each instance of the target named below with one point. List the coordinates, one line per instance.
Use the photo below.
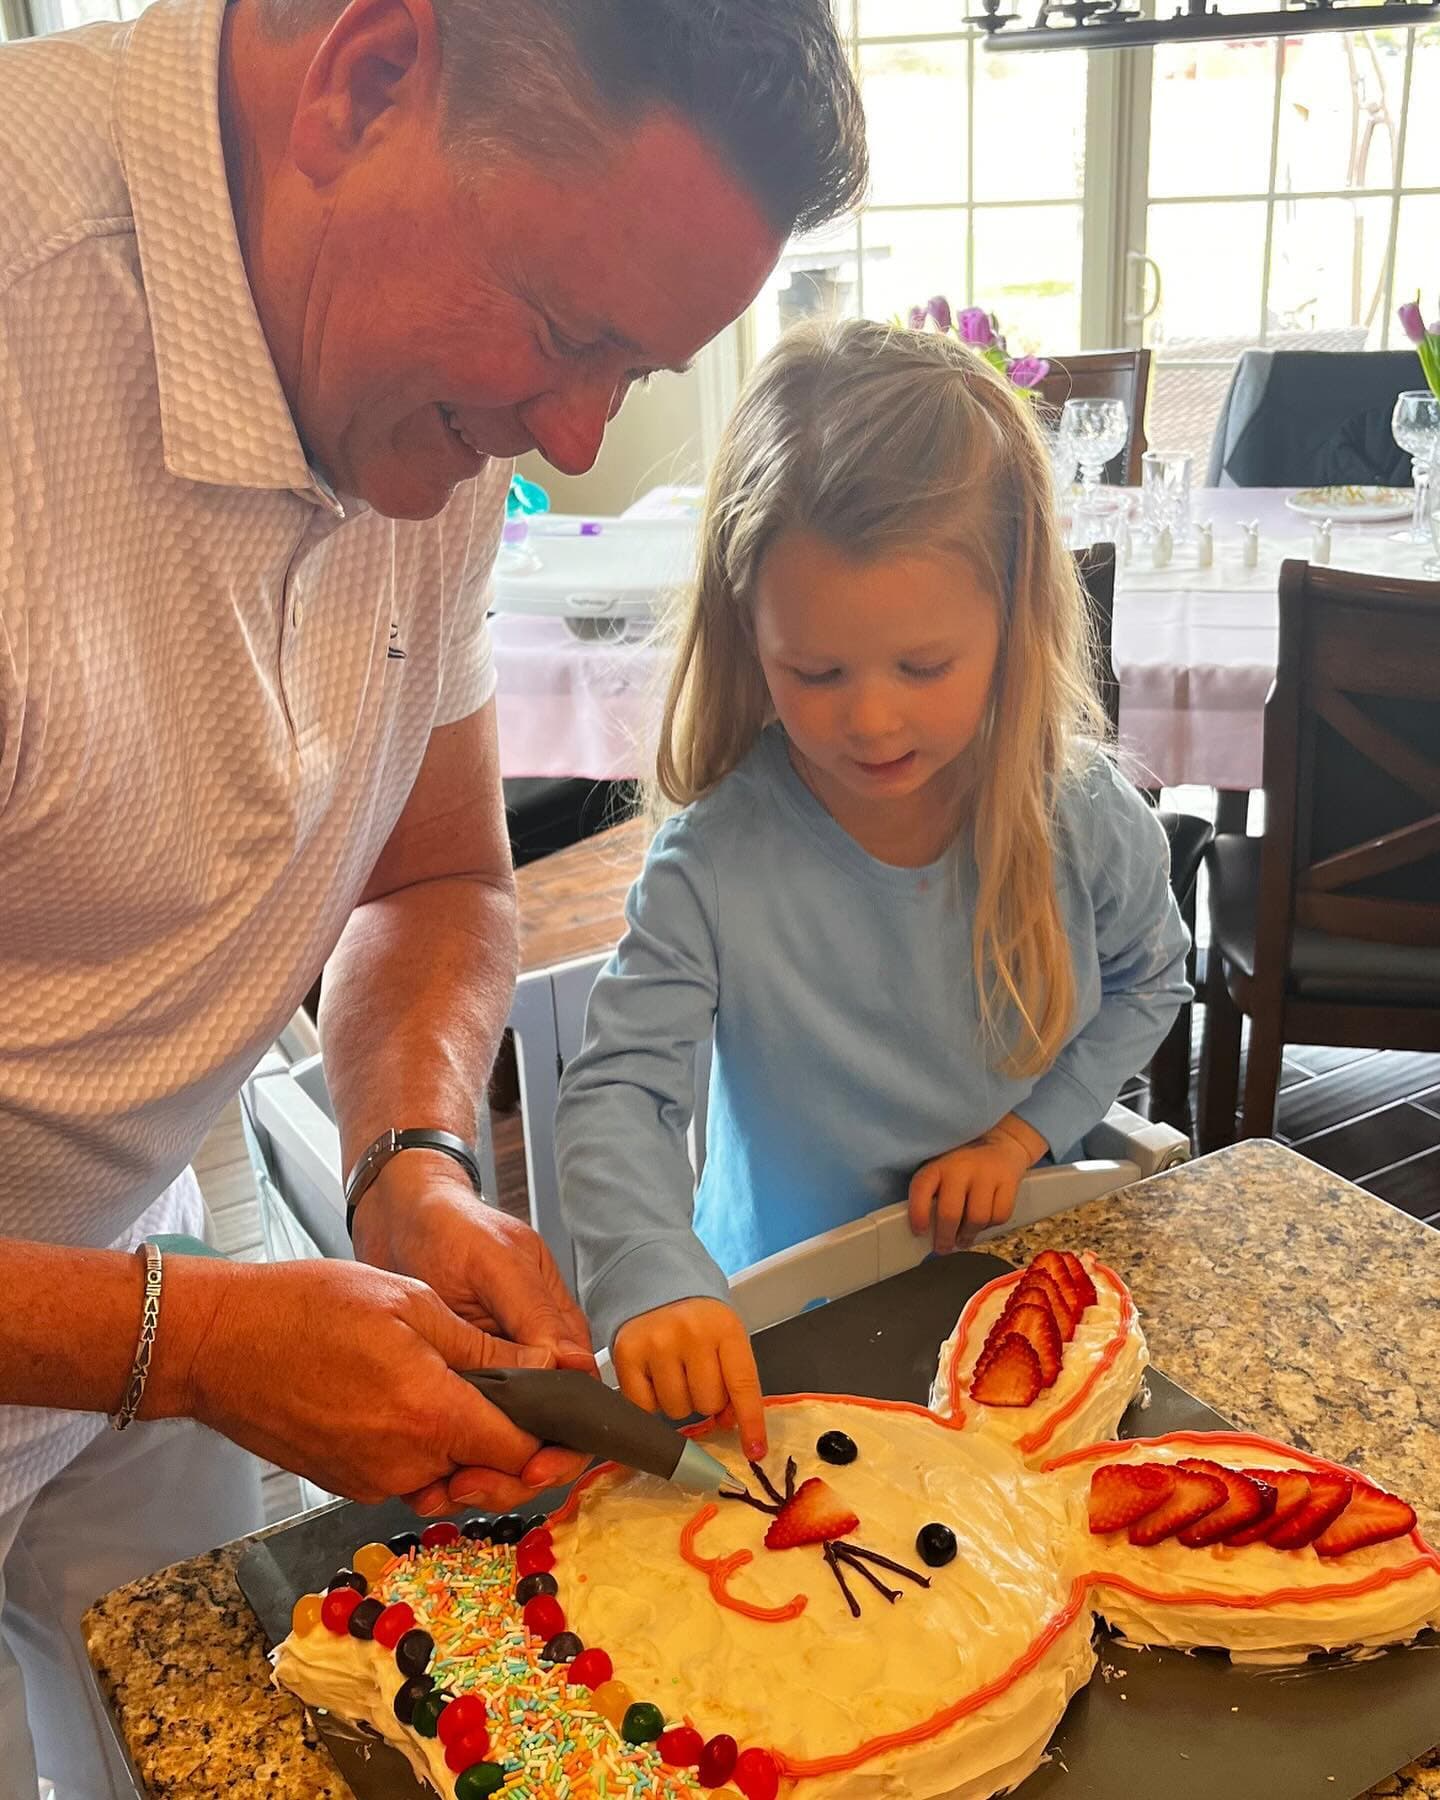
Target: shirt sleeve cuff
(469, 678)
(652, 1274)
(1062, 1111)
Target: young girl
(928, 923)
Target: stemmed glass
(1432, 507)
(1416, 427)
(1096, 430)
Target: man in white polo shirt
(283, 286)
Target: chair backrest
(1097, 574)
(1106, 375)
(1309, 418)
(1352, 764)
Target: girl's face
(879, 669)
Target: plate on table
(1352, 505)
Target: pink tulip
(939, 310)
(1028, 371)
(977, 327)
(918, 316)
(1413, 320)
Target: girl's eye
(816, 678)
(927, 671)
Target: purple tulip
(1413, 320)
(977, 327)
(918, 316)
(939, 310)
(1028, 371)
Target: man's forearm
(415, 998)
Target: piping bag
(577, 1412)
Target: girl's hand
(963, 1192)
(693, 1356)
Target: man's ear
(379, 61)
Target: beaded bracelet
(145, 1349)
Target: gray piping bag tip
(698, 1470)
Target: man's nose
(568, 426)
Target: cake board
(1151, 1724)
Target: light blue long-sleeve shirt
(848, 1048)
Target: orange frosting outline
(719, 1569)
(1037, 1439)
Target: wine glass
(1097, 430)
(1432, 507)
(1415, 424)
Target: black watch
(388, 1145)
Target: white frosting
(1098, 1414)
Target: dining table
(1194, 650)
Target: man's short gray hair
(767, 82)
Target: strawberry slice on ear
(1036, 1324)
(1053, 1264)
(1080, 1276)
(1245, 1502)
(1121, 1493)
(1291, 1488)
(1329, 1496)
(1195, 1494)
(815, 1515)
(1008, 1375)
(1372, 1517)
(1037, 1281)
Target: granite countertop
(1286, 1298)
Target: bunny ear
(1076, 1365)
(1234, 1542)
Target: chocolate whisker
(789, 1479)
(885, 1563)
(768, 1485)
(849, 1556)
(833, 1564)
(749, 1499)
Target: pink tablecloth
(1194, 650)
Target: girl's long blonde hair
(883, 442)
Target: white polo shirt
(216, 683)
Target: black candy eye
(936, 1544)
(836, 1447)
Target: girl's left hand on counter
(968, 1189)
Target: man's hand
(343, 1374)
(420, 1217)
(693, 1357)
(961, 1193)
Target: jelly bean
(936, 1544)
(482, 1779)
(442, 1533)
(363, 1617)
(533, 1586)
(642, 1723)
(591, 1669)
(464, 1715)
(562, 1649)
(717, 1761)
(477, 1529)
(413, 1652)
(306, 1615)
(393, 1623)
(464, 1752)
(544, 1618)
(411, 1692)
(757, 1775)
(536, 1522)
(336, 1608)
(372, 1560)
(534, 1558)
(403, 1543)
(836, 1447)
(680, 1746)
(540, 1534)
(426, 1716)
(612, 1700)
(509, 1528)
(348, 1578)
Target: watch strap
(389, 1145)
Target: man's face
(444, 324)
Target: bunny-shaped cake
(900, 1602)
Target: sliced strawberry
(1080, 1275)
(1195, 1494)
(1053, 1264)
(1037, 1281)
(1009, 1375)
(1036, 1324)
(1244, 1503)
(1121, 1493)
(1291, 1488)
(1372, 1517)
(815, 1515)
(1329, 1496)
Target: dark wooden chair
(1190, 836)
(1106, 375)
(1326, 930)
